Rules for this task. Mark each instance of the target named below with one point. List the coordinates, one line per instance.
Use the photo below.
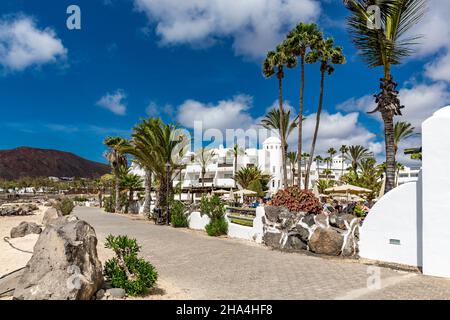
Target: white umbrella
(348, 188)
(221, 191)
(246, 192)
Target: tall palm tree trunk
(282, 135)
(300, 122)
(390, 151)
(117, 193)
(130, 200)
(316, 130)
(148, 191)
(235, 168)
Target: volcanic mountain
(34, 162)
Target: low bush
(80, 199)
(178, 217)
(126, 270)
(214, 208)
(217, 227)
(109, 204)
(64, 206)
(297, 200)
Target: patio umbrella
(348, 188)
(221, 191)
(246, 192)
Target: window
(404, 175)
(273, 169)
(414, 175)
(273, 183)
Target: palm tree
(343, 149)
(299, 40)
(279, 120)
(356, 154)
(129, 182)
(402, 131)
(292, 157)
(116, 159)
(236, 151)
(383, 47)
(317, 159)
(327, 160)
(327, 55)
(322, 185)
(204, 158)
(157, 147)
(252, 178)
(331, 152)
(274, 64)
(327, 173)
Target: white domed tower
(273, 146)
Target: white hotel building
(220, 172)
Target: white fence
(255, 233)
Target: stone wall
(335, 235)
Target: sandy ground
(12, 259)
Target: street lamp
(167, 192)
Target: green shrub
(127, 270)
(109, 204)
(178, 218)
(80, 199)
(217, 227)
(213, 207)
(64, 206)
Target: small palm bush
(178, 218)
(215, 209)
(126, 270)
(64, 207)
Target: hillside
(34, 162)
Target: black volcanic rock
(34, 162)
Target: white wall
(255, 233)
(198, 222)
(436, 194)
(396, 216)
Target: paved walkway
(218, 268)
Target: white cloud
(226, 114)
(254, 25)
(22, 44)
(363, 104)
(154, 110)
(435, 31)
(335, 130)
(114, 102)
(439, 69)
(420, 101)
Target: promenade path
(221, 268)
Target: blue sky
(188, 60)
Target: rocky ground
(16, 252)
